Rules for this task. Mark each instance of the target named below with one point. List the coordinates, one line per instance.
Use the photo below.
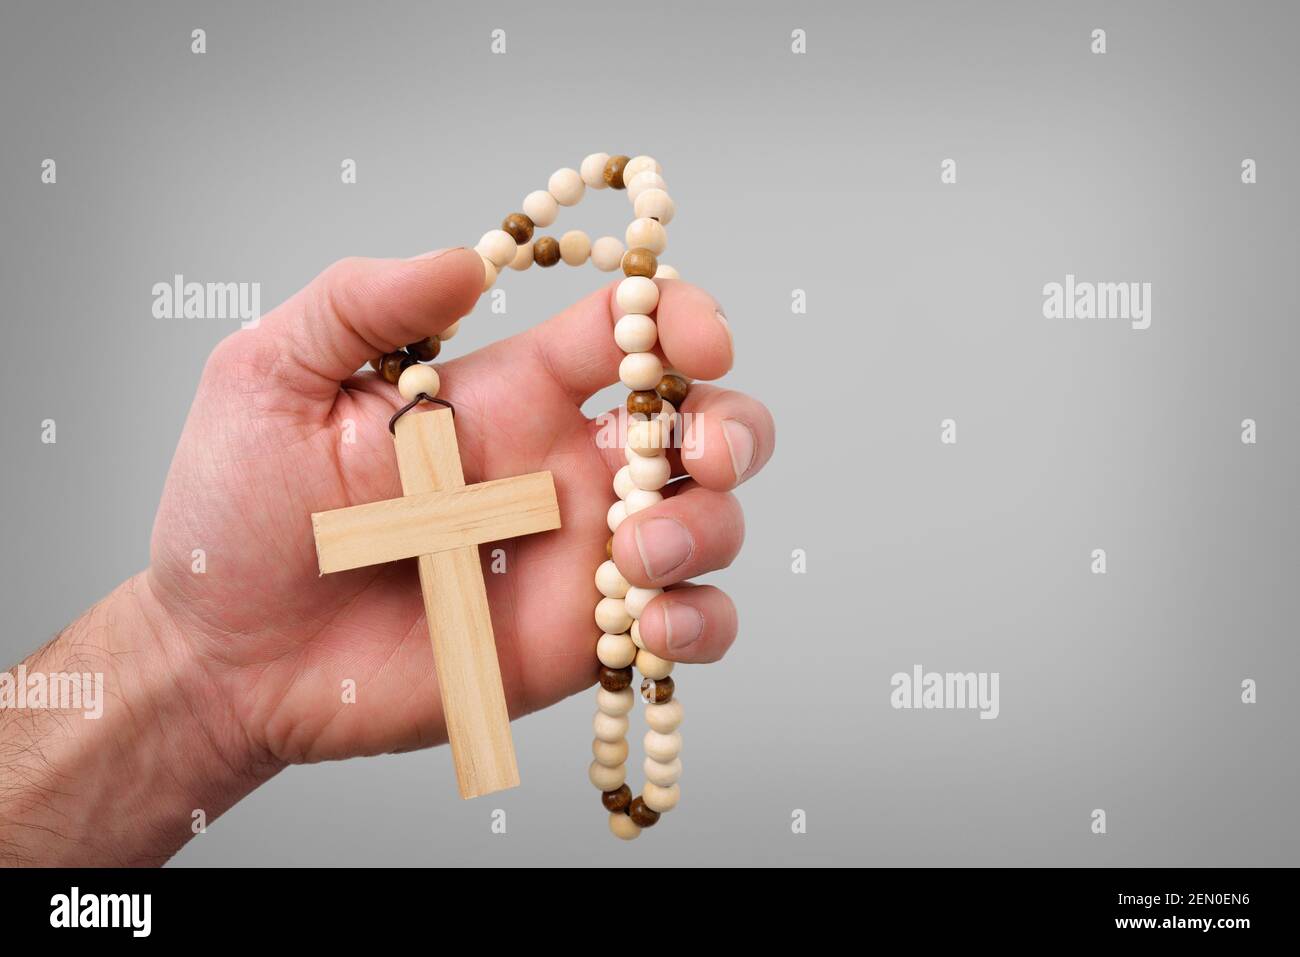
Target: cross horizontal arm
(432, 522)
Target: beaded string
(655, 395)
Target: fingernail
(683, 625)
(664, 543)
(731, 341)
(740, 440)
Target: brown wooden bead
(546, 251)
(393, 364)
(615, 679)
(657, 692)
(618, 800)
(614, 171)
(673, 388)
(640, 262)
(377, 363)
(426, 350)
(645, 403)
(609, 548)
(519, 226)
(641, 815)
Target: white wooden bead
(652, 666)
(575, 247)
(623, 827)
(566, 186)
(655, 204)
(650, 472)
(660, 799)
(639, 499)
(606, 778)
(450, 331)
(646, 179)
(610, 753)
(540, 206)
(498, 246)
(664, 718)
(524, 257)
(615, 702)
(640, 371)
(649, 437)
(623, 481)
(610, 581)
(639, 164)
(615, 651)
(662, 747)
(416, 379)
(615, 516)
(647, 233)
(637, 294)
(634, 633)
(666, 271)
(635, 601)
(609, 727)
(630, 453)
(489, 272)
(635, 333)
(663, 773)
(592, 170)
(612, 617)
(607, 253)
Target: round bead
(649, 438)
(610, 753)
(655, 204)
(638, 165)
(673, 388)
(664, 718)
(623, 827)
(648, 233)
(635, 634)
(617, 800)
(546, 251)
(650, 472)
(615, 651)
(610, 581)
(634, 604)
(641, 371)
(623, 481)
(646, 179)
(637, 294)
(646, 402)
(609, 727)
(660, 799)
(575, 247)
(606, 253)
(426, 350)
(657, 690)
(450, 331)
(640, 262)
(615, 516)
(667, 272)
(652, 666)
(641, 815)
(611, 617)
(392, 365)
(416, 379)
(541, 207)
(606, 778)
(566, 186)
(613, 172)
(663, 773)
(636, 333)
(519, 226)
(616, 702)
(615, 679)
(523, 256)
(662, 747)
(489, 272)
(639, 499)
(497, 246)
(592, 170)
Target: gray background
(818, 172)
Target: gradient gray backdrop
(818, 172)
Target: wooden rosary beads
(655, 397)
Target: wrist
(146, 757)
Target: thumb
(361, 308)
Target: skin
(216, 681)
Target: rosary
(441, 521)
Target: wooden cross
(441, 521)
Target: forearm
(127, 787)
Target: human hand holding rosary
(218, 680)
